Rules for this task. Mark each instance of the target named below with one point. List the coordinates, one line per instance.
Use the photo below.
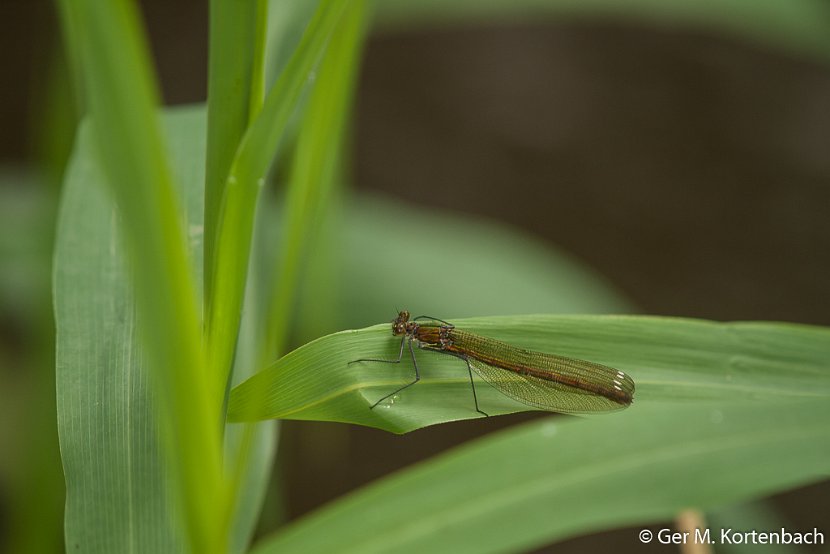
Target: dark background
(689, 168)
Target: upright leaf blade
(122, 99)
(117, 487)
(317, 160)
(118, 478)
(231, 66)
(251, 163)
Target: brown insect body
(547, 381)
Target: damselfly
(546, 381)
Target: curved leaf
(670, 360)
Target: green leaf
(318, 155)
(671, 360)
(555, 478)
(251, 449)
(125, 137)
(251, 163)
(108, 417)
(118, 486)
(231, 66)
(798, 26)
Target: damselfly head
(399, 324)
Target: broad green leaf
(118, 486)
(557, 478)
(127, 140)
(117, 479)
(671, 360)
(798, 26)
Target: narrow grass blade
(317, 159)
(231, 66)
(251, 163)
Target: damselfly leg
(400, 356)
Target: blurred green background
(681, 164)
